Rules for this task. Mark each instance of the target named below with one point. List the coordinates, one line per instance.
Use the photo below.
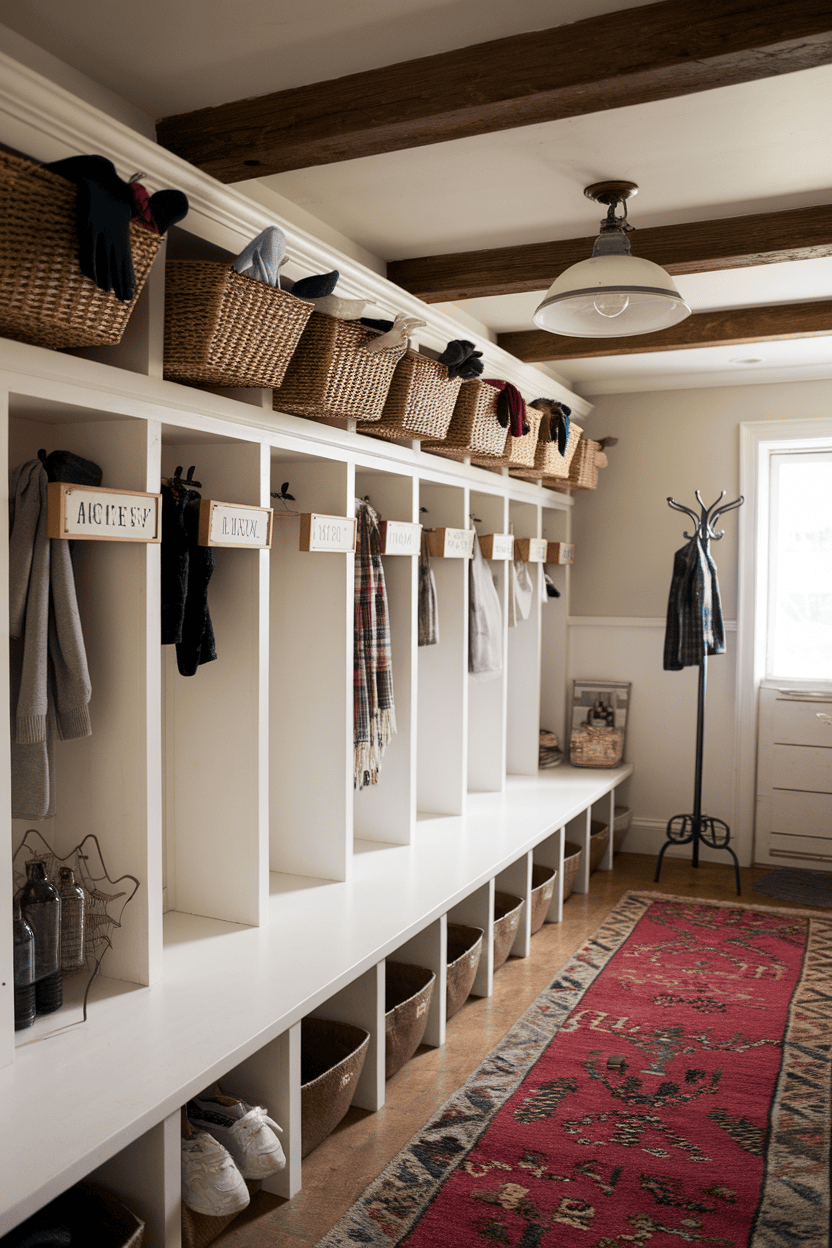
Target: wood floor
(336, 1173)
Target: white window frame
(758, 441)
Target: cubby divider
(477, 910)
(362, 1003)
(429, 948)
(271, 1077)
(146, 1176)
(517, 879)
(549, 853)
(487, 699)
(524, 653)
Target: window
(799, 607)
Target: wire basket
(518, 452)
(420, 401)
(330, 375)
(223, 328)
(474, 428)
(45, 299)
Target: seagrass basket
(507, 912)
(548, 461)
(583, 471)
(330, 375)
(45, 299)
(464, 950)
(474, 428)
(331, 1058)
(408, 992)
(223, 328)
(591, 746)
(543, 887)
(420, 401)
(599, 839)
(85, 1213)
(571, 862)
(201, 1229)
(518, 452)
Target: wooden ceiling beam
(694, 247)
(733, 327)
(653, 52)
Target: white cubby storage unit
(270, 889)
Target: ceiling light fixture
(613, 294)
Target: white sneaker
(247, 1131)
(211, 1183)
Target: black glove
(103, 213)
(168, 207)
(462, 359)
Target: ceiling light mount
(613, 294)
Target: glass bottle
(24, 970)
(40, 904)
(73, 921)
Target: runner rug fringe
(671, 1087)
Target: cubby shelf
(270, 888)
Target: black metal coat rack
(695, 828)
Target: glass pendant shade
(611, 296)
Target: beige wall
(670, 444)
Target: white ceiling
(756, 147)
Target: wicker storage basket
(408, 994)
(599, 839)
(518, 452)
(464, 950)
(90, 1213)
(583, 471)
(596, 747)
(225, 329)
(571, 862)
(45, 299)
(420, 401)
(330, 375)
(201, 1229)
(507, 912)
(332, 1058)
(474, 428)
(543, 887)
(548, 461)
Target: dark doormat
(808, 888)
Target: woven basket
(225, 329)
(420, 401)
(90, 1213)
(408, 994)
(583, 471)
(599, 839)
(464, 951)
(518, 452)
(571, 862)
(543, 887)
(330, 375)
(45, 299)
(548, 461)
(331, 1058)
(507, 912)
(201, 1229)
(474, 428)
(596, 747)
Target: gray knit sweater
(50, 683)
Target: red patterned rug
(671, 1087)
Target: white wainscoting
(661, 731)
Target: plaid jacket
(694, 610)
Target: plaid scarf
(374, 715)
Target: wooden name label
(560, 552)
(94, 513)
(451, 543)
(497, 545)
(532, 549)
(327, 532)
(399, 537)
(234, 524)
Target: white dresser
(794, 779)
